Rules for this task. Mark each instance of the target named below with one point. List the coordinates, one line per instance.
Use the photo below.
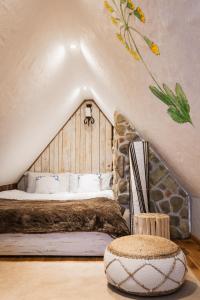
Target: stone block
(157, 175)
(184, 213)
(165, 207)
(121, 140)
(152, 206)
(120, 165)
(170, 184)
(119, 118)
(123, 148)
(130, 136)
(184, 228)
(174, 220)
(123, 198)
(175, 233)
(156, 195)
(182, 193)
(153, 158)
(176, 203)
(130, 128)
(168, 193)
(122, 185)
(120, 129)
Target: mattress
(21, 195)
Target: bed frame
(54, 244)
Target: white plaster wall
(196, 217)
(42, 78)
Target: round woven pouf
(145, 265)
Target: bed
(78, 222)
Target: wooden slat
(102, 145)
(56, 153)
(45, 160)
(73, 144)
(82, 142)
(95, 140)
(77, 141)
(88, 147)
(52, 155)
(60, 152)
(66, 148)
(38, 165)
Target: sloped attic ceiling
(50, 51)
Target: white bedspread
(21, 195)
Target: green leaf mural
(122, 14)
(179, 109)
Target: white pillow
(64, 182)
(105, 181)
(73, 182)
(31, 181)
(88, 183)
(47, 184)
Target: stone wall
(166, 194)
(123, 134)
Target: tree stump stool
(152, 224)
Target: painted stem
(144, 63)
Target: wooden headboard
(77, 147)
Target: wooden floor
(190, 247)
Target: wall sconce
(88, 115)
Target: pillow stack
(49, 183)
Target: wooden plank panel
(95, 140)
(102, 141)
(38, 164)
(88, 147)
(108, 146)
(55, 169)
(82, 141)
(52, 155)
(77, 141)
(60, 152)
(73, 145)
(66, 148)
(45, 160)
(79, 148)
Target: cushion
(64, 182)
(31, 181)
(88, 183)
(145, 265)
(142, 246)
(47, 184)
(73, 182)
(106, 181)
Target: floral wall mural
(122, 14)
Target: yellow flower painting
(123, 14)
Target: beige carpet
(37, 280)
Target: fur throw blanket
(34, 216)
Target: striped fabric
(138, 157)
